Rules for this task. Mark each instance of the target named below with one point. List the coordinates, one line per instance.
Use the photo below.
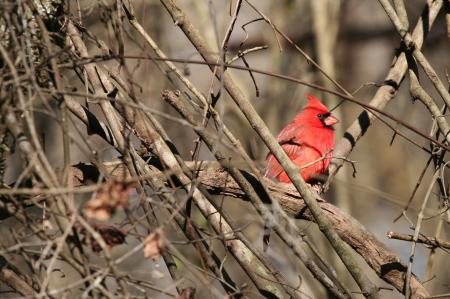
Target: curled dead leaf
(154, 244)
(187, 293)
(77, 177)
(112, 236)
(107, 199)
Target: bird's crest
(314, 103)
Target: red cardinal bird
(308, 138)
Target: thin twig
(416, 235)
(430, 241)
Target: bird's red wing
(273, 168)
(300, 155)
(288, 138)
(292, 133)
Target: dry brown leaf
(154, 244)
(187, 293)
(107, 199)
(112, 236)
(77, 177)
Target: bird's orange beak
(330, 120)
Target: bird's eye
(319, 115)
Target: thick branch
(385, 262)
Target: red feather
(308, 138)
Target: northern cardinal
(308, 138)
